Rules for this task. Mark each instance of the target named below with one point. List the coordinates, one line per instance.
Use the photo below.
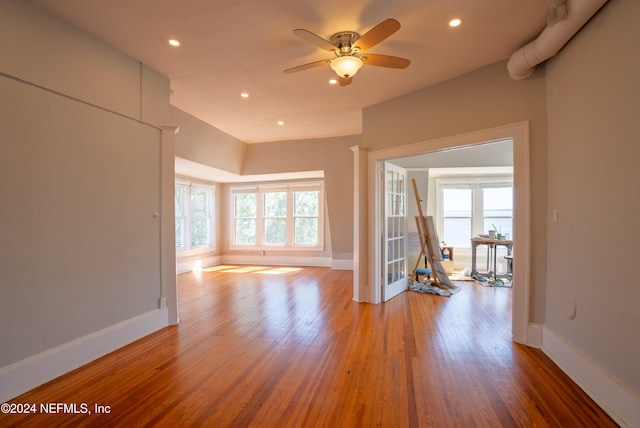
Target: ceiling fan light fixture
(346, 66)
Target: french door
(394, 228)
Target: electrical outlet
(555, 216)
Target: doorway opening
(519, 134)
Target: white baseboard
(613, 397)
(534, 335)
(26, 374)
(189, 264)
(341, 264)
(275, 260)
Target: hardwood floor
(288, 347)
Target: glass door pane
(395, 263)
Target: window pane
(504, 225)
(497, 203)
(457, 232)
(179, 206)
(245, 212)
(200, 202)
(275, 204)
(457, 202)
(200, 215)
(245, 205)
(245, 231)
(275, 231)
(306, 231)
(305, 203)
(180, 233)
(497, 199)
(200, 232)
(179, 200)
(457, 207)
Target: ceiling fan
(348, 47)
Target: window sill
(316, 248)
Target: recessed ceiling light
(244, 95)
(455, 22)
(333, 81)
(174, 42)
(280, 123)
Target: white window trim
(193, 252)
(275, 187)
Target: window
(469, 207)
(194, 215)
(279, 216)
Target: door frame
(369, 271)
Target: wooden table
(492, 245)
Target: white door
(394, 279)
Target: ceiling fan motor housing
(344, 41)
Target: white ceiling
(231, 46)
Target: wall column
(168, 276)
(360, 238)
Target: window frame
(260, 190)
(476, 185)
(189, 185)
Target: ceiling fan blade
(344, 81)
(314, 39)
(385, 61)
(307, 66)
(377, 34)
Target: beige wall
(594, 182)
(80, 184)
(483, 99)
(46, 51)
(200, 142)
(334, 157)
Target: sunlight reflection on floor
(267, 270)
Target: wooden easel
(430, 247)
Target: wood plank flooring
(288, 347)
